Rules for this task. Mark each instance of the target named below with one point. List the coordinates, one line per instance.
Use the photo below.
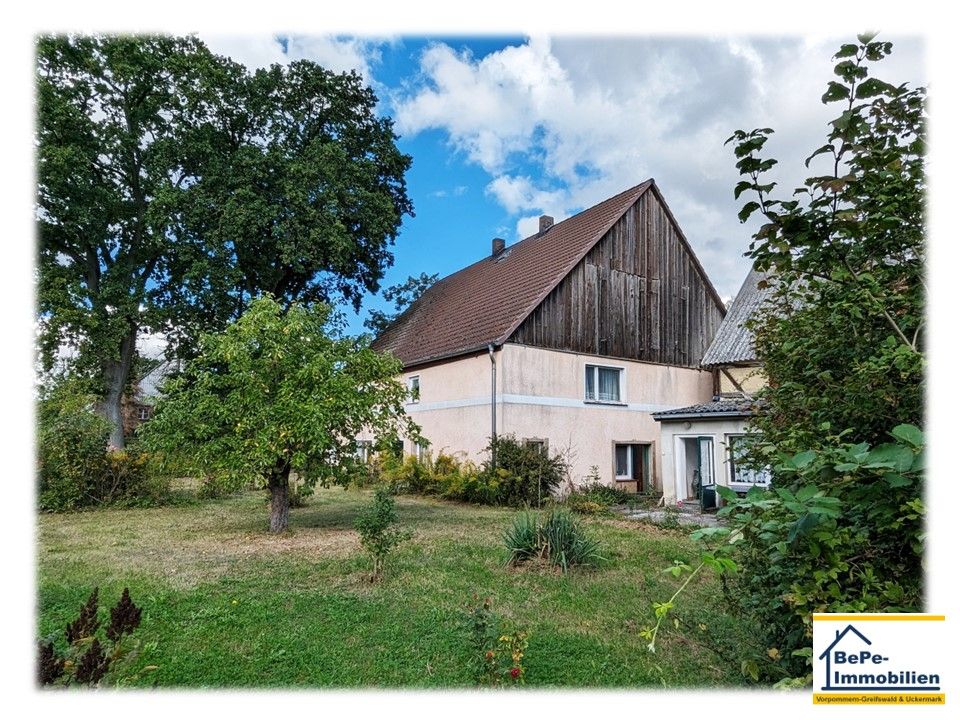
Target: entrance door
(705, 473)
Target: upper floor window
(602, 384)
(143, 413)
(413, 389)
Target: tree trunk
(279, 485)
(116, 376)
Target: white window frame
(631, 460)
(420, 452)
(544, 444)
(413, 394)
(364, 450)
(621, 372)
(143, 414)
(733, 483)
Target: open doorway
(695, 480)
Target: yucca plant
(556, 537)
(523, 537)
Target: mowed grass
(227, 605)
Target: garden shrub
(76, 468)
(376, 524)
(595, 498)
(71, 439)
(554, 536)
(524, 474)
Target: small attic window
(503, 255)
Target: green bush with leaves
(71, 445)
(841, 532)
(524, 474)
(841, 343)
(554, 536)
(594, 498)
(76, 468)
(529, 478)
(498, 654)
(379, 534)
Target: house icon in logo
(826, 653)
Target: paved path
(661, 516)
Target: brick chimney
(498, 245)
(546, 222)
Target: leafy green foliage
(378, 532)
(841, 343)
(71, 447)
(277, 391)
(842, 531)
(594, 498)
(525, 475)
(76, 468)
(555, 537)
(498, 655)
(174, 186)
(402, 296)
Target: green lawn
(227, 605)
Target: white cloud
(334, 53)
(561, 124)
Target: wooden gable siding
(637, 294)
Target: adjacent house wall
(540, 394)
(751, 379)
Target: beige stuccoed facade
(540, 394)
(750, 379)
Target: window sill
(616, 403)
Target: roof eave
(701, 416)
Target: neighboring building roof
(733, 343)
(485, 302)
(717, 408)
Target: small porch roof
(719, 407)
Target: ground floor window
(632, 462)
(737, 446)
(364, 450)
(541, 445)
(420, 451)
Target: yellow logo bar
(879, 698)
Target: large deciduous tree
(278, 391)
(174, 186)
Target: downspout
(493, 407)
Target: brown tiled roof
(485, 302)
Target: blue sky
(503, 129)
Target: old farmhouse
(569, 339)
